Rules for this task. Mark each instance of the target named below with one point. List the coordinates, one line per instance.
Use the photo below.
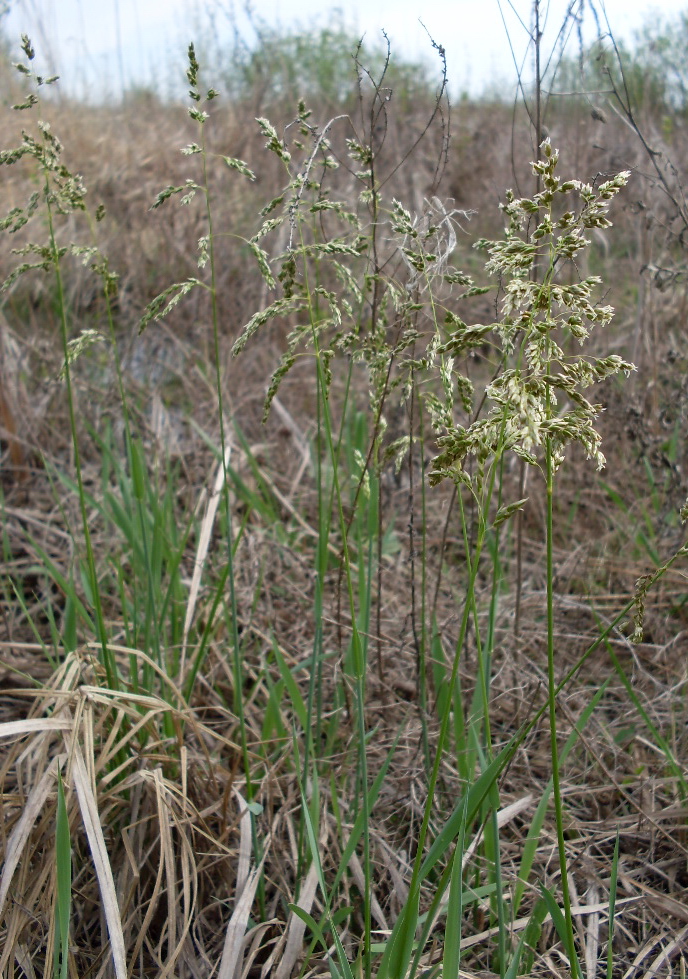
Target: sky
(132, 42)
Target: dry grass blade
(170, 686)
(20, 834)
(23, 959)
(101, 862)
(150, 911)
(359, 878)
(230, 963)
(664, 957)
(256, 946)
(297, 927)
(391, 860)
(592, 936)
(188, 863)
(292, 426)
(519, 924)
(179, 918)
(504, 816)
(664, 904)
(167, 858)
(13, 728)
(291, 423)
(202, 549)
(676, 945)
(245, 845)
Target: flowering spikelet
(537, 317)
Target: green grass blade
(397, 955)
(522, 961)
(315, 853)
(291, 685)
(451, 960)
(659, 738)
(562, 929)
(533, 838)
(63, 857)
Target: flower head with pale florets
(539, 313)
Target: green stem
(359, 667)
(552, 709)
(234, 625)
(108, 659)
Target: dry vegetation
(205, 708)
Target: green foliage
(648, 75)
(656, 66)
(311, 61)
(63, 869)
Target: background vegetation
(319, 689)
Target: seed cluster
(539, 315)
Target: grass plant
(288, 726)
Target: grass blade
(451, 961)
(63, 861)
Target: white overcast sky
(142, 39)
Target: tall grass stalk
(64, 192)
(524, 417)
(358, 655)
(551, 694)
